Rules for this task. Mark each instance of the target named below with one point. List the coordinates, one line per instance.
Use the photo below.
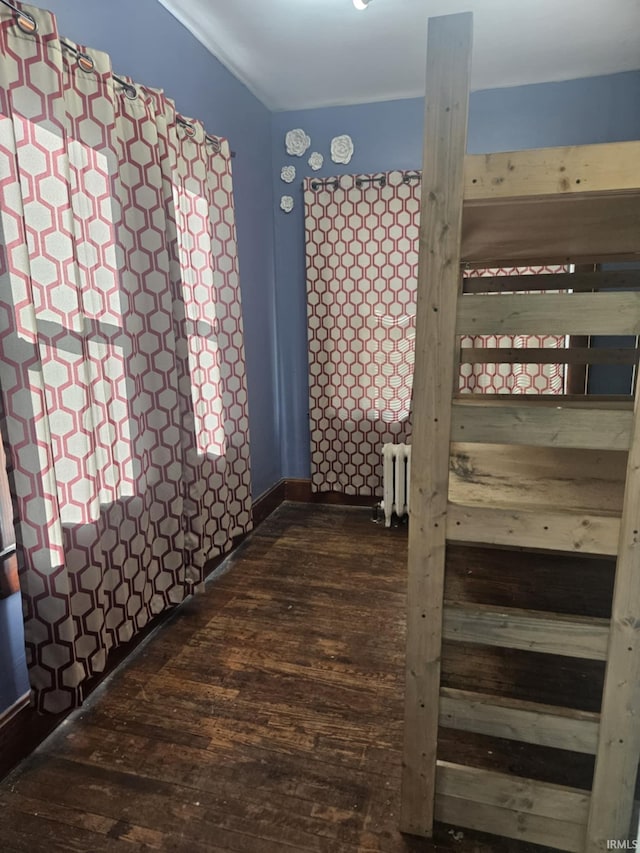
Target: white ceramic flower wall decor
(341, 149)
(286, 203)
(315, 161)
(288, 174)
(297, 142)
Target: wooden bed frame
(551, 474)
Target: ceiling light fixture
(361, 4)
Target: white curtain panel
(121, 352)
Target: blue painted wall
(389, 136)
(14, 682)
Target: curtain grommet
(27, 23)
(85, 62)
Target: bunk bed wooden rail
(555, 475)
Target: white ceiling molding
(297, 54)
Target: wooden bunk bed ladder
(547, 475)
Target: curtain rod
(382, 181)
(87, 64)
(334, 183)
(28, 24)
(31, 25)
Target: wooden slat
(447, 101)
(512, 792)
(513, 719)
(559, 834)
(553, 230)
(502, 475)
(550, 529)
(530, 630)
(550, 314)
(549, 355)
(578, 281)
(542, 426)
(610, 167)
(604, 401)
(619, 743)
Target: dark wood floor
(266, 716)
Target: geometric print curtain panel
(362, 263)
(122, 379)
(362, 235)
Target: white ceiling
(295, 54)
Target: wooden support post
(447, 101)
(619, 741)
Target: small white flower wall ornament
(286, 203)
(341, 149)
(297, 142)
(288, 174)
(315, 161)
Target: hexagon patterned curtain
(362, 264)
(121, 354)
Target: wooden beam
(559, 834)
(530, 630)
(604, 168)
(604, 401)
(512, 792)
(550, 314)
(501, 475)
(447, 101)
(552, 231)
(542, 426)
(549, 355)
(619, 743)
(549, 529)
(578, 282)
(515, 719)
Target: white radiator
(396, 480)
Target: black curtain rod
(28, 24)
(87, 64)
(24, 20)
(334, 183)
(210, 140)
(360, 182)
